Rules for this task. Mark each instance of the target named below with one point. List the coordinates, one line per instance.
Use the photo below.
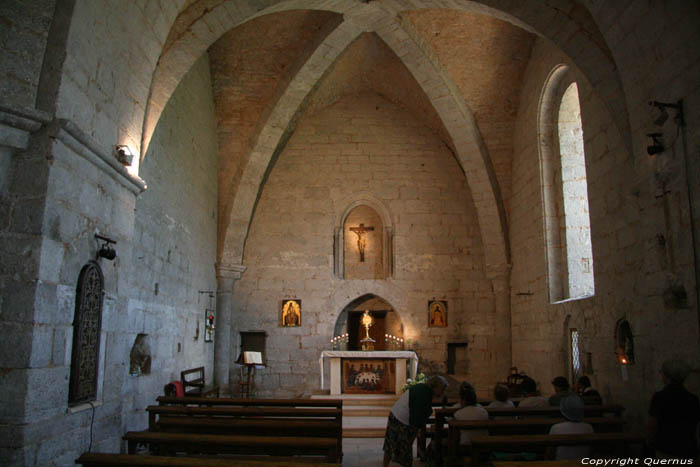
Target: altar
(368, 372)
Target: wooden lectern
(249, 360)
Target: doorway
(456, 358)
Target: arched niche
(358, 213)
(386, 318)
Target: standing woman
(407, 417)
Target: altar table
(400, 356)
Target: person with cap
(589, 395)
(571, 408)
(674, 414)
(561, 390)
(407, 417)
(471, 410)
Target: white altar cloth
(407, 354)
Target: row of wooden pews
(523, 429)
(203, 431)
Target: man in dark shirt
(674, 414)
(561, 390)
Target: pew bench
(119, 460)
(194, 443)
(482, 446)
(239, 402)
(438, 423)
(281, 421)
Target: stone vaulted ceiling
(457, 67)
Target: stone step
(366, 411)
(363, 432)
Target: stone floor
(367, 452)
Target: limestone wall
(62, 190)
(631, 267)
(25, 29)
(364, 144)
(175, 243)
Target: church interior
(498, 183)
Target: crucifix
(361, 241)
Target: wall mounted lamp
(106, 251)
(124, 154)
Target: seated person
(531, 398)
(674, 415)
(470, 410)
(571, 408)
(589, 395)
(561, 390)
(501, 397)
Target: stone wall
(25, 29)
(175, 243)
(631, 269)
(364, 143)
(61, 191)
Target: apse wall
(364, 143)
(631, 266)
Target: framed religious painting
(290, 312)
(437, 314)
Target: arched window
(565, 189)
(87, 325)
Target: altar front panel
(368, 375)
(342, 364)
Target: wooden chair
(194, 378)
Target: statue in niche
(361, 240)
(140, 356)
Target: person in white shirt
(470, 411)
(571, 408)
(529, 389)
(501, 397)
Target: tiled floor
(367, 452)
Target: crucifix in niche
(361, 240)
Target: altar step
(364, 416)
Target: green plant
(420, 378)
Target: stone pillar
(226, 275)
(502, 334)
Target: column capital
(230, 271)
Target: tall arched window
(565, 189)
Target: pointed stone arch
(568, 25)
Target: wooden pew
(529, 426)
(439, 430)
(239, 402)
(283, 413)
(483, 445)
(119, 460)
(193, 443)
(278, 421)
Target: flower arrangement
(420, 378)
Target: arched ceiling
(467, 67)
